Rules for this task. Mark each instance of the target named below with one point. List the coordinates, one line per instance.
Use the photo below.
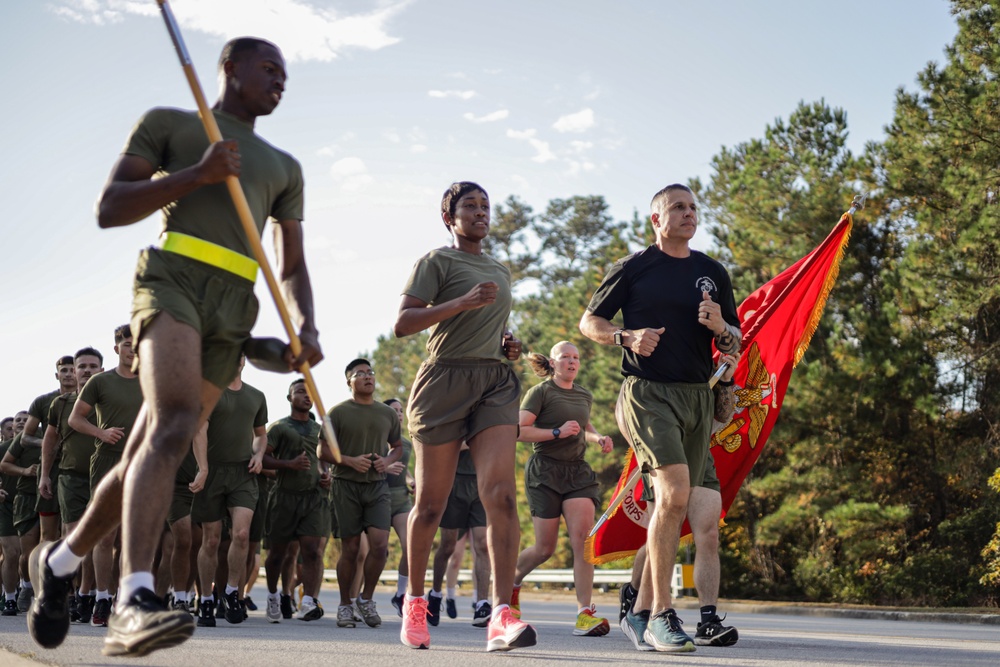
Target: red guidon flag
(778, 321)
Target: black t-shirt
(653, 289)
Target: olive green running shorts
(360, 506)
(219, 305)
(101, 463)
(669, 424)
(464, 509)
(25, 516)
(49, 506)
(180, 503)
(74, 495)
(226, 486)
(454, 399)
(259, 512)
(549, 482)
(293, 515)
(7, 518)
(400, 501)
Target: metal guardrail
(603, 579)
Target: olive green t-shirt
(25, 457)
(400, 479)
(39, 409)
(7, 482)
(287, 438)
(445, 274)
(362, 430)
(116, 400)
(231, 425)
(174, 139)
(553, 406)
(75, 448)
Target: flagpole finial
(858, 203)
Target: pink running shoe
(507, 632)
(413, 629)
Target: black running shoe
(74, 608)
(714, 633)
(102, 611)
(48, 617)
(626, 598)
(450, 608)
(481, 617)
(433, 609)
(9, 608)
(143, 625)
(206, 614)
(286, 606)
(234, 610)
(397, 603)
(251, 605)
(86, 607)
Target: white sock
(451, 593)
(361, 600)
(26, 584)
(62, 561)
(437, 594)
(583, 609)
(230, 589)
(479, 605)
(497, 609)
(273, 596)
(103, 595)
(132, 583)
(208, 598)
(11, 596)
(401, 584)
(411, 598)
(181, 597)
(307, 599)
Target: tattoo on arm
(725, 403)
(729, 340)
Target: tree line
(880, 481)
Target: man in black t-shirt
(674, 302)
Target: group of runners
(181, 441)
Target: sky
(387, 103)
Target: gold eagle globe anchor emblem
(753, 402)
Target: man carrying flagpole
(675, 302)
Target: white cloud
(575, 122)
(543, 152)
(418, 148)
(351, 173)
(327, 151)
(460, 94)
(306, 29)
(577, 167)
(488, 118)
(578, 146)
(392, 136)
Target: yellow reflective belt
(209, 253)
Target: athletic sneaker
(345, 616)
(664, 633)
(481, 617)
(24, 599)
(634, 627)
(626, 598)
(433, 609)
(515, 602)
(248, 601)
(397, 603)
(234, 608)
(9, 608)
(311, 611)
(143, 625)
(180, 605)
(714, 633)
(206, 614)
(273, 613)
(450, 608)
(102, 611)
(507, 632)
(48, 620)
(413, 630)
(86, 607)
(368, 613)
(220, 603)
(286, 606)
(74, 608)
(590, 625)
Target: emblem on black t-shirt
(706, 284)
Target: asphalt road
(798, 637)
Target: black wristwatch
(618, 337)
(555, 433)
